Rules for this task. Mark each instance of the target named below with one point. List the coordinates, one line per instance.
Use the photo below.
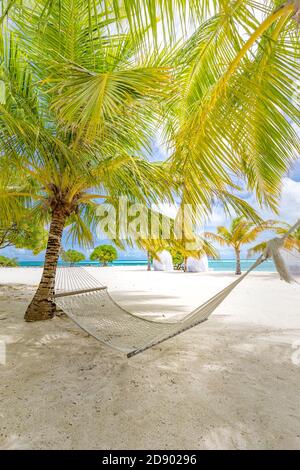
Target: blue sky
(289, 211)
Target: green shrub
(178, 258)
(72, 257)
(104, 254)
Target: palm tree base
(39, 310)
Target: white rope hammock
(88, 303)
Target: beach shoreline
(220, 265)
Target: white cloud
(290, 201)
(169, 210)
(289, 206)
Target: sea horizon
(214, 265)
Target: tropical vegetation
(104, 254)
(86, 87)
(25, 233)
(182, 249)
(240, 232)
(292, 242)
(7, 262)
(65, 168)
(178, 259)
(72, 256)
(235, 108)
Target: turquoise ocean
(214, 265)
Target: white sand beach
(230, 383)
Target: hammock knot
(273, 247)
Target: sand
(230, 383)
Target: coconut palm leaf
(238, 111)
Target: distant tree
(178, 258)
(240, 232)
(72, 257)
(104, 254)
(25, 233)
(7, 262)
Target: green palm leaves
(236, 107)
(98, 82)
(84, 97)
(87, 85)
(76, 131)
(113, 102)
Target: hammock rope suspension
(88, 303)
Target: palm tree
(82, 100)
(240, 232)
(234, 110)
(175, 16)
(49, 67)
(291, 243)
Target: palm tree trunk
(238, 262)
(185, 264)
(41, 306)
(149, 261)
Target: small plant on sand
(178, 259)
(104, 254)
(72, 257)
